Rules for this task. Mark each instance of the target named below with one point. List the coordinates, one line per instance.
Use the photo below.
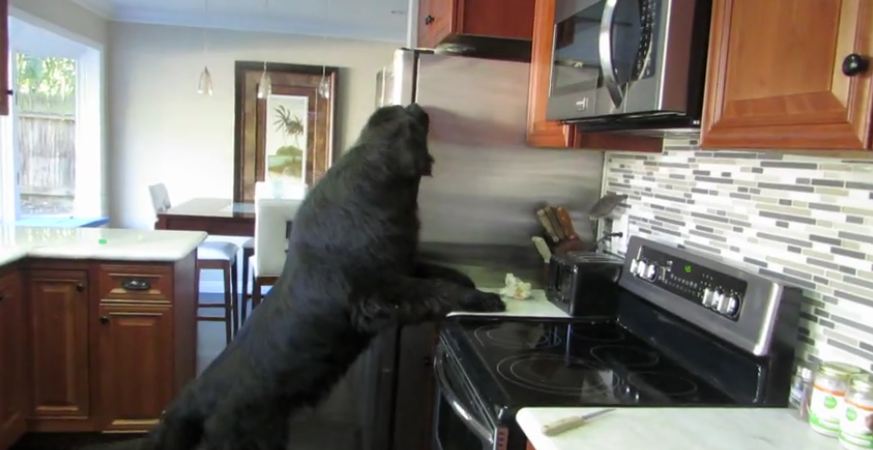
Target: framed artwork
(287, 136)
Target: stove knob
(651, 272)
(708, 295)
(641, 268)
(730, 306)
(718, 301)
(633, 265)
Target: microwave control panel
(720, 293)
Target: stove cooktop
(568, 363)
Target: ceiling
(381, 20)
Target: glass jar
(827, 403)
(801, 390)
(856, 423)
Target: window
(51, 145)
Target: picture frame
(288, 136)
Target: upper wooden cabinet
(778, 75)
(551, 134)
(442, 20)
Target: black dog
(351, 271)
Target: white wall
(161, 130)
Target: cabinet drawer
(140, 283)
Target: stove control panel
(736, 304)
(718, 292)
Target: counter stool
(211, 254)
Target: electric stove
(658, 347)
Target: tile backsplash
(800, 218)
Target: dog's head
(398, 137)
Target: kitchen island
(675, 428)
(97, 327)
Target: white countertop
(96, 243)
(675, 428)
(535, 306)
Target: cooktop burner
(516, 336)
(577, 362)
(630, 357)
(668, 385)
(555, 374)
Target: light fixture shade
(265, 85)
(324, 88)
(204, 86)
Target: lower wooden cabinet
(13, 399)
(134, 372)
(93, 345)
(58, 311)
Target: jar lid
(805, 373)
(839, 369)
(862, 383)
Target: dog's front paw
(483, 302)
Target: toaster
(584, 283)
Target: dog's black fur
(351, 271)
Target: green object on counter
(102, 241)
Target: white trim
(273, 25)
(103, 10)
(54, 28)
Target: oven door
(460, 421)
(602, 49)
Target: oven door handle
(474, 425)
(605, 50)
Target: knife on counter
(568, 423)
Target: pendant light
(324, 85)
(204, 84)
(265, 85)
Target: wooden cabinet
(551, 134)
(4, 58)
(93, 346)
(775, 76)
(58, 310)
(135, 376)
(13, 374)
(440, 21)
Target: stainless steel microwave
(619, 64)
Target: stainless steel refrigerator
(477, 213)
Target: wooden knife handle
(556, 224)
(547, 225)
(562, 425)
(566, 222)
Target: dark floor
(315, 430)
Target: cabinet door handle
(428, 20)
(854, 64)
(136, 284)
(104, 319)
(80, 287)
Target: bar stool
(212, 254)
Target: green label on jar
(830, 402)
(851, 414)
